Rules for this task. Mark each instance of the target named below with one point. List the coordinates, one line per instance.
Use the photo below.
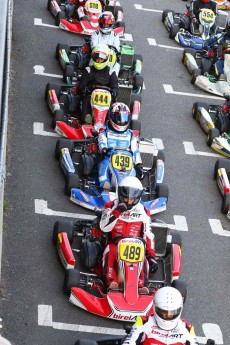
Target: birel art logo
(123, 317)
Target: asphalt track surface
(31, 273)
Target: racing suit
(222, 39)
(91, 77)
(133, 223)
(146, 331)
(195, 8)
(111, 39)
(110, 138)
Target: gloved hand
(119, 210)
(114, 96)
(140, 171)
(105, 151)
(153, 265)
(194, 20)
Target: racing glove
(105, 151)
(140, 171)
(119, 210)
(153, 265)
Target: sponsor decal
(123, 317)
(153, 204)
(84, 196)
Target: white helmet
(168, 305)
(129, 191)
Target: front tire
(72, 279)
(63, 226)
(181, 286)
(212, 134)
(225, 203)
(61, 144)
(72, 181)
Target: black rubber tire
(190, 51)
(58, 115)
(195, 107)
(60, 15)
(72, 181)
(72, 279)
(68, 72)
(62, 46)
(52, 86)
(120, 24)
(212, 134)
(137, 57)
(48, 5)
(176, 239)
(225, 203)
(160, 155)
(61, 144)
(181, 286)
(165, 13)
(134, 97)
(196, 73)
(63, 226)
(173, 31)
(138, 82)
(135, 125)
(206, 65)
(222, 163)
(162, 190)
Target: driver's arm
(94, 39)
(108, 220)
(84, 79)
(190, 333)
(102, 141)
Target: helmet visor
(167, 315)
(99, 57)
(121, 118)
(131, 193)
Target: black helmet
(130, 188)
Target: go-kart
(65, 106)
(214, 119)
(66, 19)
(222, 177)
(73, 59)
(81, 255)
(201, 66)
(223, 4)
(178, 25)
(79, 161)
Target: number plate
(101, 98)
(120, 161)
(132, 252)
(93, 5)
(207, 15)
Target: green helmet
(100, 56)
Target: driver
(117, 135)
(165, 324)
(97, 74)
(127, 217)
(77, 8)
(194, 11)
(223, 40)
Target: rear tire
(61, 46)
(162, 191)
(165, 13)
(63, 226)
(212, 134)
(52, 86)
(222, 163)
(61, 144)
(196, 73)
(72, 181)
(188, 51)
(68, 72)
(72, 279)
(173, 31)
(181, 286)
(138, 83)
(120, 24)
(60, 15)
(195, 107)
(225, 203)
(135, 125)
(57, 116)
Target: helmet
(119, 117)
(227, 27)
(168, 305)
(129, 191)
(106, 22)
(100, 56)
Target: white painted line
(190, 150)
(141, 8)
(38, 22)
(38, 129)
(152, 42)
(169, 89)
(39, 70)
(180, 224)
(41, 207)
(45, 318)
(217, 228)
(4, 341)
